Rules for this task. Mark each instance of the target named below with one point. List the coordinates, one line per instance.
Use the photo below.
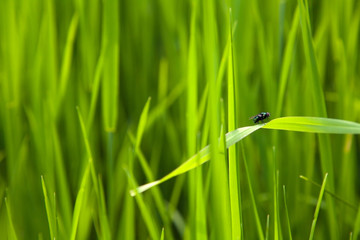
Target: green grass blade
(330, 193)
(51, 220)
(235, 197)
(267, 227)
(253, 203)
(79, 203)
(301, 124)
(320, 108)
(67, 59)
(111, 48)
(314, 125)
(11, 228)
(145, 211)
(162, 237)
(285, 69)
(357, 224)
(142, 124)
(99, 194)
(277, 232)
(204, 155)
(317, 209)
(287, 214)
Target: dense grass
(100, 97)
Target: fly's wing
(252, 117)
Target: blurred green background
(66, 173)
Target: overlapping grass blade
(67, 59)
(287, 214)
(49, 211)
(319, 106)
(301, 124)
(79, 203)
(203, 155)
(145, 211)
(317, 209)
(235, 196)
(105, 229)
(253, 203)
(11, 228)
(314, 125)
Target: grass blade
(142, 124)
(162, 237)
(51, 220)
(204, 156)
(99, 194)
(317, 209)
(234, 182)
(301, 124)
(145, 211)
(287, 214)
(79, 203)
(253, 203)
(11, 229)
(67, 59)
(267, 227)
(314, 125)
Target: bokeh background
(76, 68)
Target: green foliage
(98, 99)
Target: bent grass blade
(200, 158)
(300, 124)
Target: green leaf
(300, 124)
(314, 125)
(200, 158)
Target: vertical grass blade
(287, 60)
(79, 203)
(317, 209)
(67, 59)
(253, 203)
(11, 229)
(105, 229)
(287, 214)
(192, 121)
(49, 212)
(110, 81)
(142, 124)
(145, 211)
(320, 109)
(235, 198)
(267, 227)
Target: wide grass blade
(314, 125)
(203, 155)
(300, 124)
(317, 209)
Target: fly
(260, 117)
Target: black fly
(260, 117)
